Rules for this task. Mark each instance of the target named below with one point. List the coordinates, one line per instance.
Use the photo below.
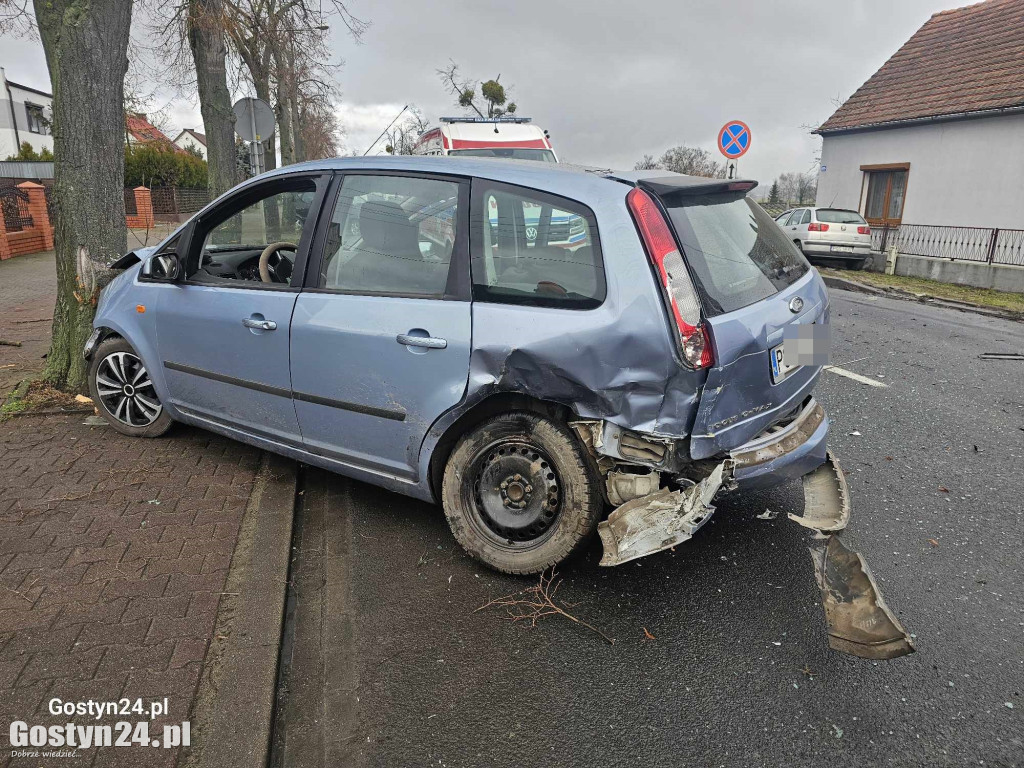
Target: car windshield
(736, 252)
(543, 155)
(839, 216)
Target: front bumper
(781, 454)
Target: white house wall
(963, 172)
(8, 144)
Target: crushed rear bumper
(783, 453)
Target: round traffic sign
(254, 119)
(734, 139)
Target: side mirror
(163, 266)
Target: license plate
(842, 249)
(778, 360)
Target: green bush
(160, 165)
(27, 153)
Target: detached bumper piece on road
(859, 621)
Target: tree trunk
(282, 110)
(269, 144)
(86, 43)
(206, 39)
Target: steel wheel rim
(517, 494)
(126, 390)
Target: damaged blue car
(427, 325)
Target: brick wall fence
(31, 231)
(34, 232)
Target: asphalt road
(391, 663)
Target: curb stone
(233, 711)
(842, 284)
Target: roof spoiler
(664, 184)
(674, 186)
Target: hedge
(158, 165)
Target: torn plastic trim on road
(859, 622)
(659, 520)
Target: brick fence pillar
(144, 207)
(37, 210)
(5, 248)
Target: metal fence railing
(14, 208)
(131, 207)
(978, 244)
(171, 201)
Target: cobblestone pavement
(28, 290)
(113, 557)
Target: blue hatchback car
(425, 324)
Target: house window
(886, 193)
(37, 122)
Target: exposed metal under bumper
(659, 520)
(859, 621)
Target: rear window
(735, 250)
(839, 216)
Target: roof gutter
(973, 115)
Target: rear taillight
(815, 226)
(863, 230)
(675, 279)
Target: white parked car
(829, 233)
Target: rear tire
(122, 391)
(519, 493)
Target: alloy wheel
(126, 390)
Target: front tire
(122, 390)
(519, 493)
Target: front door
(381, 335)
(223, 331)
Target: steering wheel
(275, 268)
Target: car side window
(529, 247)
(391, 235)
(257, 241)
(807, 217)
(783, 220)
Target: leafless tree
(693, 161)
(495, 99)
(205, 29)
(86, 47)
(645, 163)
(401, 138)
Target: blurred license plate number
(779, 368)
(842, 249)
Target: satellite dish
(254, 119)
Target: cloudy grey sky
(611, 80)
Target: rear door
(754, 287)
(381, 334)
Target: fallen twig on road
(535, 603)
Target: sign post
(254, 122)
(733, 142)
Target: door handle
(263, 325)
(421, 341)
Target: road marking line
(854, 376)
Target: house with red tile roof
(138, 130)
(936, 136)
